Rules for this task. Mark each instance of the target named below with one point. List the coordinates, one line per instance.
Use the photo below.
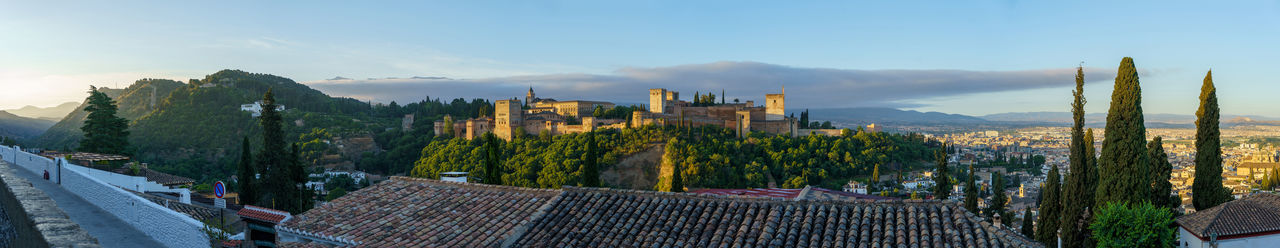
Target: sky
(966, 57)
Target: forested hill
(21, 128)
(191, 128)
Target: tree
(1078, 186)
(273, 158)
(971, 194)
(941, 181)
(590, 169)
(246, 176)
(1133, 225)
(1160, 171)
(335, 193)
(875, 174)
(492, 173)
(448, 127)
(1207, 190)
(1124, 149)
(1050, 210)
(104, 132)
(998, 198)
(1028, 227)
(677, 183)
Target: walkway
(109, 230)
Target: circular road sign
(219, 189)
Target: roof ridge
(469, 185)
(1215, 215)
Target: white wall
(1268, 241)
(166, 226)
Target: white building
(255, 108)
(855, 187)
(1253, 221)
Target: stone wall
(166, 226)
(34, 219)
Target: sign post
(219, 190)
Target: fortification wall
(166, 226)
(33, 219)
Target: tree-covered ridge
(133, 102)
(708, 157)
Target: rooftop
(410, 212)
(1258, 213)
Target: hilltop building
(536, 115)
(413, 212)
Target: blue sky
(830, 53)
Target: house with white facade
(255, 108)
(1252, 221)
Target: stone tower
(776, 106)
(528, 98)
(507, 117)
(657, 100)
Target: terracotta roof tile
(1253, 214)
(263, 214)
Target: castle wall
(507, 116)
(775, 107)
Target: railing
(166, 226)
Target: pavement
(109, 230)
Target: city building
(1252, 221)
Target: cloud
(806, 87)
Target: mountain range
(21, 128)
(53, 114)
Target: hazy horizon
(960, 58)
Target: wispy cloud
(806, 87)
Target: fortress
(536, 115)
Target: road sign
(219, 189)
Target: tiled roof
(263, 214)
(196, 212)
(807, 193)
(161, 178)
(611, 218)
(410, 212)
(1252, 214)
(232, 243)
(769, 192)
(405, 212)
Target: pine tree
(1028, 227)
(492, 172)
(1050, 209)
(246, 175)
(104, 132)
(998, 198)
(971, 194)
(941, 181)
(1161, 171)
(1078, 186)
(589, 169)
(1207, 190)
(1122, 167)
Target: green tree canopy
(1050, 209)
(1134, 225)
(1123, 163)
(1207, 190)
(104, 132)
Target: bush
(1139, 225)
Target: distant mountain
(888, 115)
(53, 114)
(23, 128)
(1064, 118)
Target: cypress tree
(1122, 167)
(1161, 171)
(448, 126)
(589, 169)
(1028, 228)
(941, 181)
(998, 198)
(1207, 190)
(273, 157)
(104, 132)
(1080, 184)
(677, 183)
(1050, 209)
(971, 194)
(246, 175)
(875, 174)
(492, 173)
